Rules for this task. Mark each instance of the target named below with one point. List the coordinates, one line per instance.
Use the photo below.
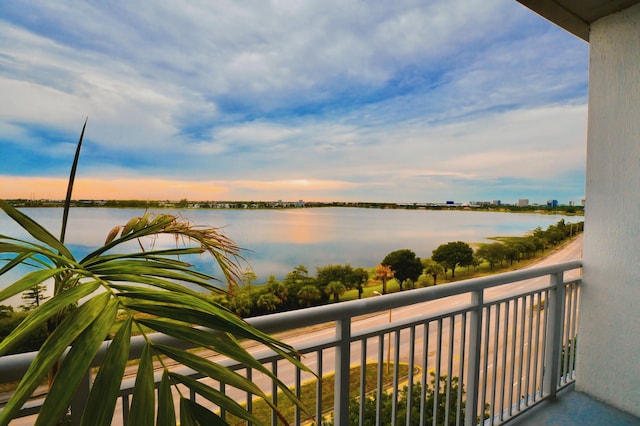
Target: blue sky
(404, 101)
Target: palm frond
(91, 294)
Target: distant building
(552, 203)
(523, 202)
(496, 202)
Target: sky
(320, 100)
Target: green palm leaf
(51, 307)
(166, 411)
(210, 369)
(142, 403)
(224, 344)
(27, 281)
(78, 360)
(34, 229)
(215, 396)
(163, 284)
(104, 392)
(52, 350)
(107, 282)
(193, 414)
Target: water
(278, 240)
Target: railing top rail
(12, 367)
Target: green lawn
(461, 273)
(308, 393)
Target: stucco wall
(609, 330)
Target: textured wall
(609, 330)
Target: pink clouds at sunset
(163, 189)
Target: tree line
(300, 289)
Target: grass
(461, 273)
(308, 393)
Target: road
(502, 334)
(426, 341)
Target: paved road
(495, 354)
(375, 346)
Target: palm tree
(336, 288)
(432, 268)
(384, 273)
(268, 301)
(107, 290)
(309, 293)
(277, 288)
(113, 283)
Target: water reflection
(278, 240)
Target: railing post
(79, 400)
(343, 364)
(473, 372)
(554, 308)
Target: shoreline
(567, 210)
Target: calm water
(279, 240)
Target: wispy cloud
(402, 101)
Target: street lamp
(377, 293)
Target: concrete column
(608, 358)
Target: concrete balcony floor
(574, 408)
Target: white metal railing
(507, 342)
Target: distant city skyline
(290, 203)
(345, 101)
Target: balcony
(508, 341)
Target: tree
(278, 289)
(31, 342)
(530, 247)
(511, 253)
(326, 274)
(241, 303)
(33, 297)
(308, 294)
(350, 277)
(408, 284)
(452, 255)
(6, 311)
(405, 265)
(384, 273)
(268, 301)
(295, 281)
(243, 300)
(248, 277)
(331, 273)
(432, 269)
(360, 277)
(335, 288)
(493, 253)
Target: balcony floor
(575, 408)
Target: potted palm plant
(104, 294)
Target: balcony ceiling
(576, 16)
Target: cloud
(160, 189)
(397, 100)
